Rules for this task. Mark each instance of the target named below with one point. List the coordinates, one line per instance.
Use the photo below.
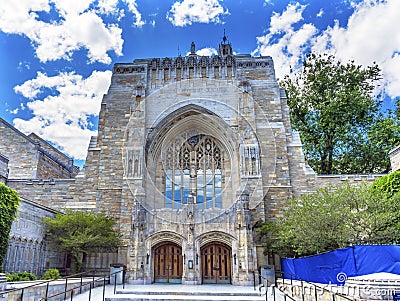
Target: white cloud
(132, 6)
(285, 44)
(196, 11)
(22, 65)
(360, 39)
(78, 26)
(13, 112)
(366, 41)
(108, 7)
(63, 116)
(69, 7)
(320, 13)
(208, 51)
(284, 22)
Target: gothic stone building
(191, 153)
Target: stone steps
(168, 293)
(134, 297)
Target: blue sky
(56, 55)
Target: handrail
(71, 290)
(294, 277)
(47, 281)
(91, 284)
(274, 288)
(102, 278)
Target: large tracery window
(193, 165)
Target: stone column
(190, 275)
(245, 256)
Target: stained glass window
(193, 165)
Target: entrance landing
(167, 292)
(180, 289)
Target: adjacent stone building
(191, 153)
(394, 155)
(29, 160)
(31, 157)
(28, 249)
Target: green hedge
(21, 276)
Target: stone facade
(217, 129)
(25, 161)
(394, 155)
(28, 249)
(3, 169)
(155, 106)
(191, 153)
(30, 157)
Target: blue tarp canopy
(334, 267)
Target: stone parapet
(352, 179)
(52, 193)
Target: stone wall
(3, 169)
(21, 151)
(54, 153)
(28, 250)
(354, 180)
(36, 290)
(49, 168)
(30, 157)
(394, 155)
(52, 193)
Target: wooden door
(216, 264)
(168, 263)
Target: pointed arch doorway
(168, 263)
(216, 264)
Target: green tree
(79, 233)
(368, 152)
(331, 218)
(9, 202)
(331, 103)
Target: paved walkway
(172, 292)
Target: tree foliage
(368, 152)
(79, 233)
(333, 107)
(389, 184)
(334, 217)
(9, 202)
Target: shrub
(51, 274)
(389, 184)
(21, 276)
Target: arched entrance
(216, 263)
(168, 263)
